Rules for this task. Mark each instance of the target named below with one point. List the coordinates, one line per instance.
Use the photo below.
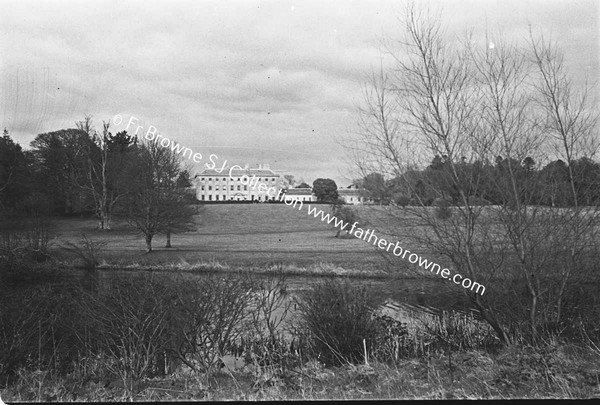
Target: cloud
(278, 75)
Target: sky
(276, 82)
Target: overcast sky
(249, 81)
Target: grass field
(248, 235)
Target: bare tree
(107, 163)
(478, 110)
(153, 205)
(570, 121)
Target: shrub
(338, 317)
(88, 250)
(211, 314)
(37, 328)
(403, 200)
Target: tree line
(485, 183)
(80, 171)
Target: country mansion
(257, 184)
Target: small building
(352, 195)
(299, 194)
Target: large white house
(247, 184)
(258, 184)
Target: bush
(403, 200)
(37, 328)
(338, 316)
(88, 251)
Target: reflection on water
(404, 300)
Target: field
(236, 234)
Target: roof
(349, 191)
(298, 191)
(238, 173)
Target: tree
(61, 168)
(325, 190)
(290, 180)
(183, 181)
(346, 214)
(180, 214)
(153, 204)
(15, 173)
(472, 107)
(107, 159)
(375, 185)
(302, 185)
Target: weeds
(149, 337)
(338, 316)
(87, 250)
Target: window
(202, 197)
(238, 187)
(209, 188)
(210, 197)
(217, 197)
(202, 178)
(209, 179)
(232, 188)
(202, 188)
(224, 197)
(252, 197)
(217, 188)
(245, 188)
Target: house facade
(247, 184)
(300, 194)
(352, 195)
(258, 184)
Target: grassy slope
(256, 234)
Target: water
(402, 299)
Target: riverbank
(288, 269)
(563, 371)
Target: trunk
(489, 317)
(168, 245)
(148, 243)
(104, 221)
(532, 317)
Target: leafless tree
(470, 105)
(153, 205)
(106, 171)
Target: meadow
(233, 234)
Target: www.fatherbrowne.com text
(370, 237)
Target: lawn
(236, 234)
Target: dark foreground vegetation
(80, 336)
